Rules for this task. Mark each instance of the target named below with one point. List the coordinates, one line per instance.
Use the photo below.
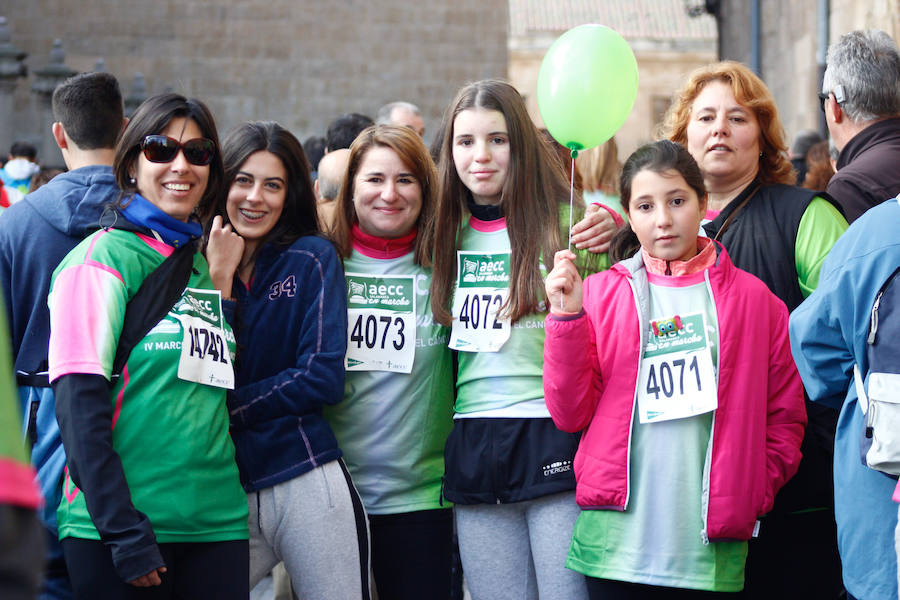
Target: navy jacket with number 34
(291, 330)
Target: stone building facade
(791, 43)
(300, 62)
(667, 43)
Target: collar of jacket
(378, 247)
(876, 132)
(173, 232)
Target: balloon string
(571, 200)
(562, 297)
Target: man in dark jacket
(35, 235)
(861, 100)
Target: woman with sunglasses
(284, 282)
(152, 505)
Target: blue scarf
(173, 232)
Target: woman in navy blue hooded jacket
(286, 287)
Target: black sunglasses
(163, 149)
(823, 97)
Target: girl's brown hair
(535, 186)
(818, 167)
(659, 157)
(298, 215)
(599, 168)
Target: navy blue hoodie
(35, 235)
(291, 330)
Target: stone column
(12, 67)
(137, 94)
(45, 81)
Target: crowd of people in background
(399, 370)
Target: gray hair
(833, 151)
(866, 63)
(385, 112)
(332, 169)
(329, 188)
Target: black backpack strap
(158, 293)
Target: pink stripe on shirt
(161, 247)
(89, 261)
(487, 226)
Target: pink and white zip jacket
(591, 366)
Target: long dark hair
(535, 186)
(658, 157)
(151, 118)
(298, 217)
(408, 146)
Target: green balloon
(586, 86)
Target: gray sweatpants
(518, 551)
(316, 524)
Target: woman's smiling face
(387, 195)
(176, 187)
(256, 197)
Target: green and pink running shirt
(170, 433)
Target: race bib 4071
(677, 379)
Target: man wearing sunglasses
(861, 99)
(35, 235)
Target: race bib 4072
(482, 288)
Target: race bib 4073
(381, 327)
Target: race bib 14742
(205, 354)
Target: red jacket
(4, 198)
(591, 366)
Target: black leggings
(412, 554)
(608, 589)
(195, 571)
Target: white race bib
(205, 355)
(677, 379)
(381, 328)
(482, 287)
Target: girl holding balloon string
(676, 367)
(504, 200)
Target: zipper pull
(873, 325)
(870, 419)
